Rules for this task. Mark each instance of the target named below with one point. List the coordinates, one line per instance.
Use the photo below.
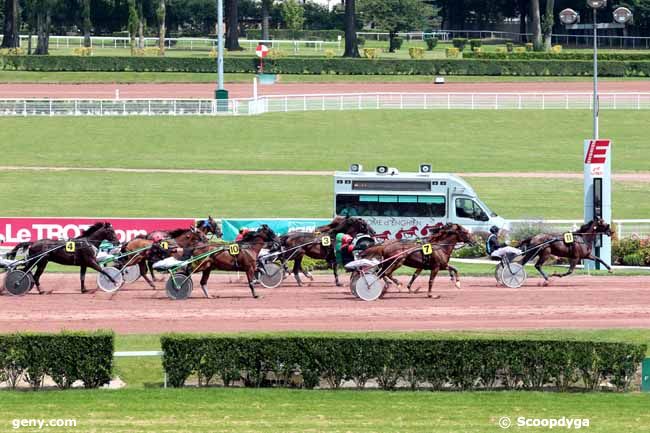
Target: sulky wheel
(270, 275)
(131, 273)
(353, 283)
(369, 287)
(18, 283)
(105, 283)
(179, 286)
(497, 274)
(513, 275)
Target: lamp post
(221, 94)
(597, 182)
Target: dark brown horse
(242, 259)
(320, 244)
(178, 242)
(412, 254)
(547, 244)
(80, 251)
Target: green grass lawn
(191, 195)
(281, 410)
(454, 141)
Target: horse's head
(263, 234)
(452, 230)
(101, 231)
(209, 227)
(353, 226)
(601, 226)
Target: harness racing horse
(299, 244)
(181, 240)
(244, 260)
(412, 254)
(547, 244)
(80, 251)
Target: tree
(132, 25)
(10, 28)
(395, 16)
(232, 24)
(536, 24)
(42, 10)
(293, 15)
(266, 11)
(351, 48)
(547, 23)
(86, 23)
(161, 14)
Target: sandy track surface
(245, 90)
(575, 302)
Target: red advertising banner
(16, 230)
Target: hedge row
(315, 65)
(533, 55)
(286, 34)
(420, 363)
(65, 357)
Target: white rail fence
(625, 228)
(321, 102)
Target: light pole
(221, 94)
(597, 181)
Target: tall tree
(132, 25)
(522, 7)
(396, 16)
(86, 23)
(536, 24)
(10, 28)
(43, 10)
(351, 46)
(293, 15)
(547, 24)
(141, 23)
(266, 13)
(232, 24)
(161, 14)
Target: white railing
(322, 102)
(625, 228)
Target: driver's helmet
(494, 230)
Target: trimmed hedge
(535, 55)
(419, 362)
(319, 65)
(65, 357)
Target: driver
(498, 250)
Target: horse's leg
(540, 262)
(453, 273)
(82, 277)
(412, 280)
(434, 272)
(143, 271)
(40, 268)
(599, 260)
(204, 282)
(297, 266)
(250, 274)
(572, 267)
(336, 274)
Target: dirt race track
(575, 302)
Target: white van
(405, 204)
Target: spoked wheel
(179, 286)
(105, 283)
(497, 273)
(131, 273)
(513, 275)
(18, 283)
(270, 275)
(369, 287)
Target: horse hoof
(457, 284)
(433, 297)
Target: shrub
(213, 54)
(520, 50)
(396, 43)
(371, 53)
(459, 43)
(440, 364)
(500, 50)
(509, 47)
(416, 53)
(275, 53)
(529, 46)
(452, 53)
(329, 53)
(12, 52)
(361, 41)
(556, 49)
(65, 357)
(83, 51)
(472, 251)
(431, 43)
(476, 49)
(475, 43)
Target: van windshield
(487, 208)
(414, 206)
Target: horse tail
(12, 254)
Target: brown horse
(546, 244)
(312, 244)
(225, 259)
(80, 251)
(412, 254)
(179, 242)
